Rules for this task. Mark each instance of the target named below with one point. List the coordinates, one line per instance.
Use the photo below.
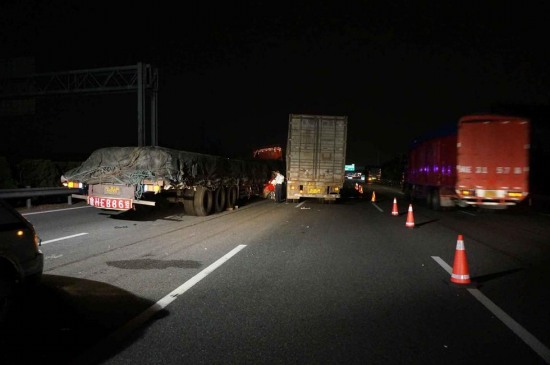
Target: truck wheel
(189, 201)
(203, 201)
(407, 191)
(436, 200)
(429, 196)
(231, 196)
(219, 199)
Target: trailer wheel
(219, 199)
(407, 191)
(428, 198)
(231, 196)
(203, 201)
(189, 201)
(435, 200)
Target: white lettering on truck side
(503, 170)
(464, 169)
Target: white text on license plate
(110, 203)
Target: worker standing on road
(269, 187)
(279, 180)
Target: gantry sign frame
(140, 78)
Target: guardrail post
(28, 199)
(69, 200)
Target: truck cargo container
(315, 156)
(482, 161)
(121, 178)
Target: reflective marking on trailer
(514, 326)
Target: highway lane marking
(62, 238)
(300, 204)
(56, 210)
(465, 212)
(140, 319)
(521, 332)
(377, 207)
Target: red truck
(483, 161)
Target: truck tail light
(73, 184)
(515, 194)
(148, 188)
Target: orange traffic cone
(373, 199)
(410, 218)
(460, 273)
(394, 209)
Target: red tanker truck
(483, 161)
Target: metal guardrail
(37, 192)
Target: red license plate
(110, 203)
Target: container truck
(482, 161)
(121, 178)
(315, 156)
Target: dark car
(21, 261)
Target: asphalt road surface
(292, 283)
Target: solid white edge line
(62, 238)
(55, 210)
(377, 207)
(521, 332)
(443, 264)
(514, 326)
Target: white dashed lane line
(62, 238)
(514, 326)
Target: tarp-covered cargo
(131, 165)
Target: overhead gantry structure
(143, 79)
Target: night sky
(230, 74)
